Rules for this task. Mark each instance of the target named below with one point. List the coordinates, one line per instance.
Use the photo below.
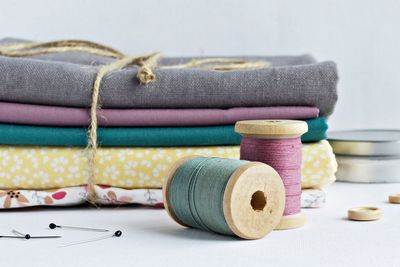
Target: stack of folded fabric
(144, 129)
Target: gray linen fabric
(66, 80)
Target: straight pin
(28, 236)
(116, 234)
(54, 226)
(12, 236)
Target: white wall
(362, 36)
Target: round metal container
(368, 169)
(367, 156)
(366, 142)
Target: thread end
(145, 75)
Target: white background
(362, 36)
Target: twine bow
(145, 64)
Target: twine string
(145, 64)
(221, 64)
(33, 49)
(145, 75)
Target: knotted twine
(145, 63)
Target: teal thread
(197, 189)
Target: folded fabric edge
(106, 195)
(130, 168)
(13, 134)
(30, 114)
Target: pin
(54, 226)
(116, 234)
(28, 236)
(12, 236)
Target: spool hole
(258, 201)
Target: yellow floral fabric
(318, 165)
(55, 167)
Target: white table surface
(151, 238)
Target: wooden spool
(276, 129)
(254, 199)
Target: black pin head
(118, 233)
(52, 226)
(27, 236)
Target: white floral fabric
(107, 195)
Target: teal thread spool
(230, 197)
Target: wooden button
(364, 214)
(394, 199)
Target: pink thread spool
(277, 143)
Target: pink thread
(284, 155)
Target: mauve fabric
(12, 134)
(64, 116)
(66, 80)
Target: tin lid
(366, 142)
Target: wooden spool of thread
(277, 143)
(225, 196)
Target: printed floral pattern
(313, 198)
(50, 167)
(107, 195)
(318, 165)
(12, 197)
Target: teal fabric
(317, 130)
(11, 134)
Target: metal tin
(366, 142)
(368, 169)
